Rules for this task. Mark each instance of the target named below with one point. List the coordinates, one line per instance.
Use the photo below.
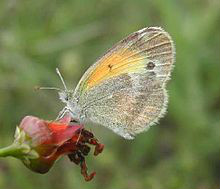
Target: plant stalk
(14, 150)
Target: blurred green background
(182, 152)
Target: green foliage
(181, 152)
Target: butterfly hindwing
(125, 89)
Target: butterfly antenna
(59, 74)
(47, 88)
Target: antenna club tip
(57, 70)
(36, 88)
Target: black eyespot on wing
(150, 65)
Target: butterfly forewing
(125, 89)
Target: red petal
(62, 133)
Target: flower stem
(12, 150)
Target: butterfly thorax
(72, 106)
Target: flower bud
(46, 141)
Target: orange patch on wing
(114, 65)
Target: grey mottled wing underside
(130, 102)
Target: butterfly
(125, 90)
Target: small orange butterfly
(125, 90)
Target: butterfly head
(66, 96)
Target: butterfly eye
(66, 98)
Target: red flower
(39, 143)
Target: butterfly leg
(62, 113)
